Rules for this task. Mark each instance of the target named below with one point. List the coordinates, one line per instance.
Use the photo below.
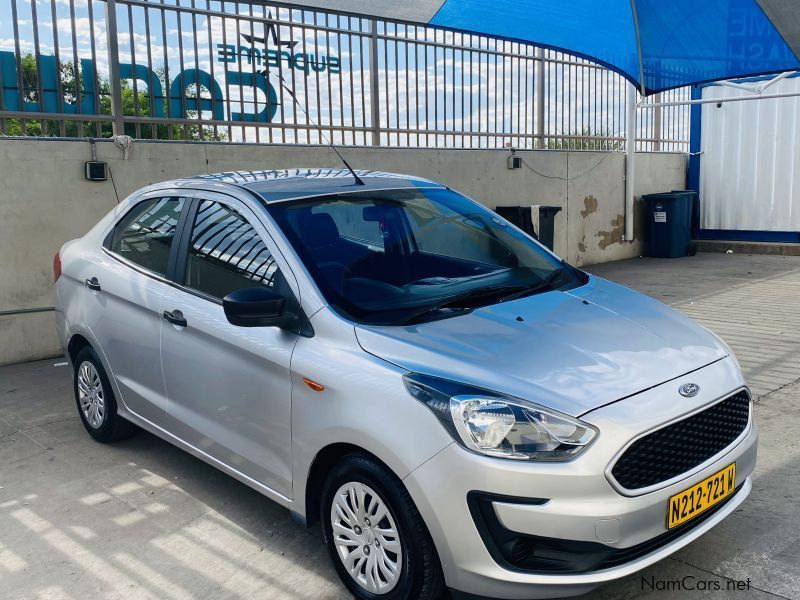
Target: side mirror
(256, 307)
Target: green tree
(585, 140)
(71, 82)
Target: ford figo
(457, 407)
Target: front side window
(144, 236)
(399, 256)
(225, 253)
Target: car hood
(572, 351)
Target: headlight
(498, 425)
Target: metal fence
(255, 72)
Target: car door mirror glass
(257, 307)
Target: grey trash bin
(547, 224)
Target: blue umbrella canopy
(655, 44)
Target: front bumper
(580, 503)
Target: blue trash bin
(669, 223)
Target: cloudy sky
(451, 83)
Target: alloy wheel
(90, 394)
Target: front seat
(320, 235)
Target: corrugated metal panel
(750, 162)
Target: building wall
(45, 201)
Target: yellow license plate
(701, 496)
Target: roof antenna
(358, 179)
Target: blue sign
(257, 53)
(179, 104)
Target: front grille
(681, 446)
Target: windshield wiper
(544, 284)
(457, 300)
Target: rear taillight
(56, 267)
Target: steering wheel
(325, 264)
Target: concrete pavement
(142, 519)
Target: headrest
(319, 229)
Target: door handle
(93, 284)
(175, 317)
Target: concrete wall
(45, 201)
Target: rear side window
(225, 253)
(144, 235)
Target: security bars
(206, 70)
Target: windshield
(402, 256)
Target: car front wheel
(376, 537)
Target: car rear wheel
(377, 540)
(94, 396)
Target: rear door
(124, 293)
(229, 388)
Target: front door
(228, 387)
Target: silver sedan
(458, 407)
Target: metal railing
(217, 70)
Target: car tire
(94, 396)
(399, 537)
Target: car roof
(287, 184)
